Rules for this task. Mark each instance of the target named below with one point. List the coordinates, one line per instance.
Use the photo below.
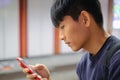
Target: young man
(80, 24)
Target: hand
(40, 69)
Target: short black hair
(73, 8)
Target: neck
(96, 41)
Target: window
(116, 14)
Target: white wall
(40, 28)
(9, 29)
(1, 34)
(64, 49)
(104, 5)
(40, 32)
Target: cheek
(72, 34)
(83, 37)
(79, 38)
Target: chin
(75, 49)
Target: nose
(61, 36)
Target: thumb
(44, 79)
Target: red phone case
(31, 71)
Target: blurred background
(26, 31)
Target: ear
(85, 18)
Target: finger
(42, 70)
(26, 70)
(44, 79)
(38, 66)
(31, 76)
(32, 79)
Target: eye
(62, 27)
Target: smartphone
(24, 65)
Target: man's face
(74, 33)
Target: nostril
(61, 37)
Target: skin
(74, 33)
(83, 33)
(39, 68)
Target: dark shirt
(92, 67)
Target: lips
(68, 43)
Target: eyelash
(62, 27)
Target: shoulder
(82, 61)
(114, 67)
(114, 50)
(115, 58)
(81, 65)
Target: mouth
(68, 43)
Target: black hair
(62, 8)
